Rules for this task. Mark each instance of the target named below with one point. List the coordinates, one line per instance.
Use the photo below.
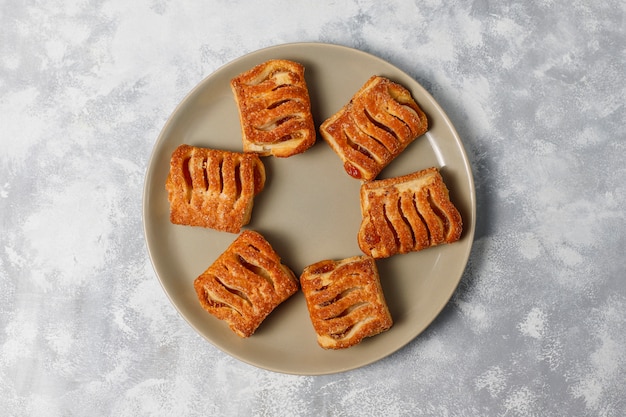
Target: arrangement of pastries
(374, 127)
(216, 188)
(274, 109)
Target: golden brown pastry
(274, 109)
(245, 284)
(407, 213)
(213, 188)
(345, 301)
(378, 123)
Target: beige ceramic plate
(309, 211)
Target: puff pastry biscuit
(378, 123)
(274, 109)
(213, 188)
(407, 213)
(245, 284)
(345, 301)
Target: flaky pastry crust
(245, 284)
(274, 109)
(407, 213)
(213, 188)
(378, 123)
(345, 301)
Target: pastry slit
(441, 217)
(383, 127)
(390, 226)
(187, 176)
(256, 270)
(235, 292)
(254, 248)
(360, 149)
(349, 310)
(274, 123)
(205, 174)
(220, 172)
(286, 138)
(413, 113)
(259, 178)
(281, 86)
(338, 297)
(278, 103)
(320, 289)
(445, 222)
(403, 121)
(286, 119)
(342, 333)
(416, 223)
(405, 220)
(399, 109)
(238, 182)
(422, 219)
(433, 221)
(403, 236)
(213, 302)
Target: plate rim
(161, 138)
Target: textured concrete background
(536, 90)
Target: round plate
(309, 211)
